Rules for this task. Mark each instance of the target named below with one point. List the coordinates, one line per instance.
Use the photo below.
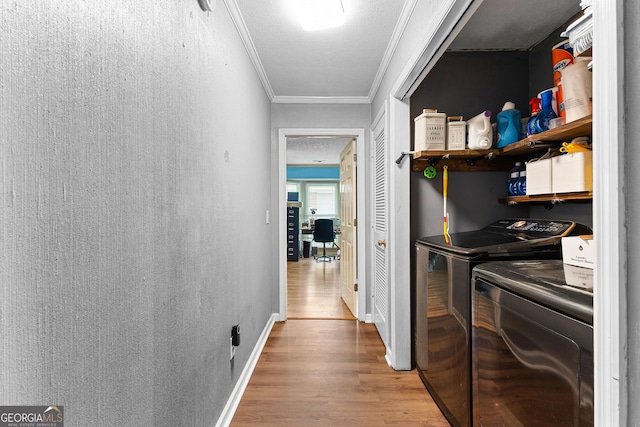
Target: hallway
(332, 373)
(323, 371)
(313, 290)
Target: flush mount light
(319, 14)
(207, 5)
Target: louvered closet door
(381, 283)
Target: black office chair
(323, 233)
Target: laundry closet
(462, 191)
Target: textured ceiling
(315, 151)
(341, 61)
(344, 62)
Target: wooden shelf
(494, 159)
(551, 199)
(549, 138)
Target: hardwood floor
(313, 290)
(316, 370)
(332, 373)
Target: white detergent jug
(480, 132)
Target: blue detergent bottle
(521, 184)
(509, 125)
(512, 185)
(546, 113)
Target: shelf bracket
(539, 144)
(472, 161)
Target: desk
(310, 231)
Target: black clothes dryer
(443, 294)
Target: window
(324, 198)
(293, 187)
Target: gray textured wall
(134, 179)
(473, 196)
(632, 200)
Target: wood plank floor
(313, 290)
(319, 371)
(332, 373)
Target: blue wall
(313, 172)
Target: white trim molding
(610, 275)
(398, 31)
(229, 409)
(321, 100)
(361, 270)
(241, 26)
(399, 232)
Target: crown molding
(238, 21)
(401, 25)
(321, 100)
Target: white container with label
(430, 130)
(456, 133)
(579, 251)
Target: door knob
(382, 243)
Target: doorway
(315, 287)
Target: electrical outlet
(233, 349)
(235, 335)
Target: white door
(348, 224)
(380, 289)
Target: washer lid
(508, 236)
(548, 282)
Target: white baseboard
(389, 357)
(236, 395)
(368, 318)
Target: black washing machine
(443, 299)
(532, 344)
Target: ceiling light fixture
(207, 5)
(319, 14)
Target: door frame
(610, 275)
(359, 135)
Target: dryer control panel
(537, 228)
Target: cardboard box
(572, 172)
(578, 251)
(539, 177)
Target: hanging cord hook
(404, 153)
